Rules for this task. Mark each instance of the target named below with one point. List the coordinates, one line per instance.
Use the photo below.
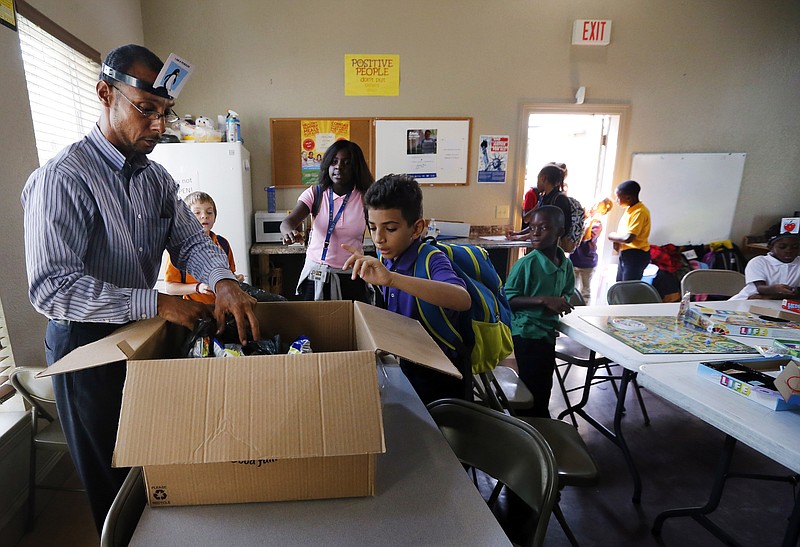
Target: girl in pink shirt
(343, 178)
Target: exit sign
(591, 32)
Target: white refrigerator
(222, 170)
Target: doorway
(589, 139)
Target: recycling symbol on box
(159, 494)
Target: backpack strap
(433, 317)
(318, 190)
(226, 246)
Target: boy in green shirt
(538, 289)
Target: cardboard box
(784, 315)
(259, 428)
(750, 378)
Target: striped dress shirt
(95, 231)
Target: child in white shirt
(775, 275)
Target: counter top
(278, 248)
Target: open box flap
(120, 345)
(378, 329)
(184, 411)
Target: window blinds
(61, 89)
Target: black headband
(108, 72)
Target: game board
(664, 334)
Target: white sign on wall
(591, 32)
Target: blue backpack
(486, 327)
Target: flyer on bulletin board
(315, 138)
(493, 159)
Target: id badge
(319, 273)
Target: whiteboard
(433, 151)
(691, 197)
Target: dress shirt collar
(111, 155)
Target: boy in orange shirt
(180, 282)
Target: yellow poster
(315, 138)
(8, 16)
(372, 75)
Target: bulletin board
(432, 150)
(285, 139)
(691, 197)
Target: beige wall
(700, 77)
(102, 24)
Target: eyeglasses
(169, 117)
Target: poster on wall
(492, 159)
(8, 15)
(315, 138)
(371, 75)
(433, 151)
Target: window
(61, 85)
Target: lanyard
(332, 221)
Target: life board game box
(754, 379)
(791, 305)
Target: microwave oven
(268, 227)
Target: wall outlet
(502, 211)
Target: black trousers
(536, 361)
(352, 289)
(632, 263)
(88, 403)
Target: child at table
(775, 275)
(584, 257)
(538, 290)
(393, 207)
(179, 282)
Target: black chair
(125, 511)
(632, 292)
(508, 450)
(46, 432)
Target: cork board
(286, 146)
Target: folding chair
(713, 282)
(125, 511)
(46, 432)
(508, 450)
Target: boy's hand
(557, 304)
(368, 268)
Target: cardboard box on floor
(259, 428)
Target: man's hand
(232, 300)
(368, 268)
(181, 312)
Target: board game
(664, 334)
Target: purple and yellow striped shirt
(94, 241)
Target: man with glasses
(98, 217)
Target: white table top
(423, 497)
(774, 434)
(592, 337)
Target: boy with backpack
(180, 282)
(393, 207)
(538, 288)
